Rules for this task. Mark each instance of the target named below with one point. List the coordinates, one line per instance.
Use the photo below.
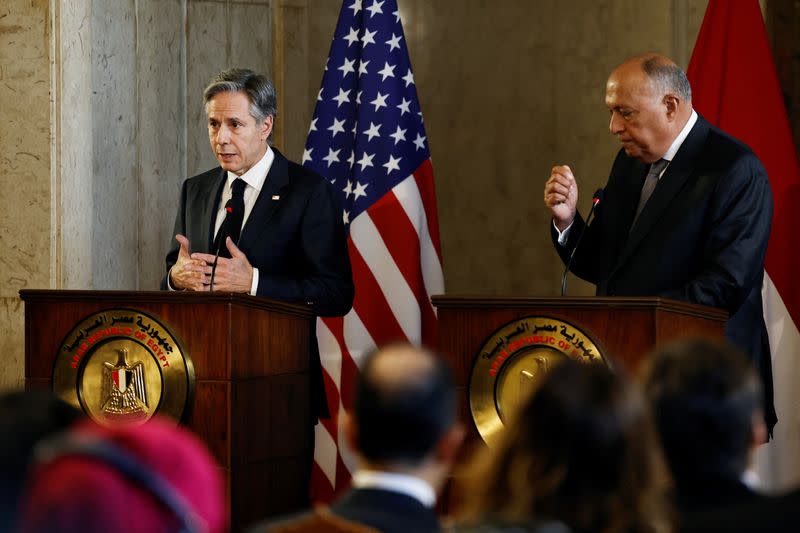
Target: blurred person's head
(581, 451)
(26, 417)
(150, 478)
(405, 414)
(706, 400)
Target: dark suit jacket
(705, 492)
(297, 242)
(702, 237)
(761, 514)
(386, 511)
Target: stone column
(26, 204)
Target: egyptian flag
(735, 87)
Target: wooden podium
(624, 328)
(250, 402)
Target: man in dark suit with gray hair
(686, 214)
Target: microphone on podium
(596, 199)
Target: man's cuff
(254, 285)
(562, 235)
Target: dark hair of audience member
(401, 420)
(26, 417)
(580, 451)
(704, 395)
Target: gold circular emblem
(509, 365)
(122, 365)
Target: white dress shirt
(402, 483)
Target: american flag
(367, 137)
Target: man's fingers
(195, 266)
(562, 170)
(561, 179)
(561, 174)
(559, 188)
(206, 258)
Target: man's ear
(759, 428)
(671, 103)
(448, 446)
(266, 127)
(350, 431)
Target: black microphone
(596, 199)
(222, 234)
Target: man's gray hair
(669, 77)
(257, 87)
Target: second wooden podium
(624, 329)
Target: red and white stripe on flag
(735, 86)
(367, 137)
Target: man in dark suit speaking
(277, 225)
(686, 214)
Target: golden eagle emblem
(124, 397)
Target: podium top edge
(447, 301)
(176, 297)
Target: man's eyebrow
(225, 119)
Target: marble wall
(25, 164)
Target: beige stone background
(101, 120)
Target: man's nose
(615, 125)
(223, 135)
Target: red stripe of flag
(321, 488)
(402, 240)
(424, 178)
(370, 304)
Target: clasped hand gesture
(192, 271)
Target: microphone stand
(222, 238)
(596, 199)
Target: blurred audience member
(26, 417)
(767, 514)
(580, 456)
(150, 478)
(405, 435)
(707, 403)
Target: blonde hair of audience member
(581, 451)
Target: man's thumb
(184, 242)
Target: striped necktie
(649, 186)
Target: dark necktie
(235, 217)
(649, 186)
